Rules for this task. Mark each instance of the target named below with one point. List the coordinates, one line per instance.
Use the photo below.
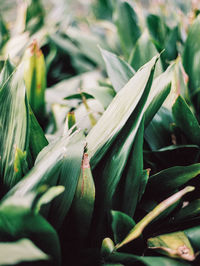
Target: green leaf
(172, 178)
(12, 253)
(158, 134)
(194, 236)
(18, 222)
(13, 122)
(163, 37)
(83, 202)
(68, 177)
(161, 207)
(175, 245)
(126, 21)
(143, 51)
(158, 30)
(37, 139)
(133, 173)
(118, 70)
(172, 155)
(116, 115)
(160, 90)
(143, 183)
(79, 96)
(121, 225)
(187, 123)
(59, 163)
(191, 56)
(4, 33)
(34, 16)
(115, 160)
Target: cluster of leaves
(102, 167)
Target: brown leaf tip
(85, 161)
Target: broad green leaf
(160, 90)
(83, 202)
(13, 121)
(146, 260)
(59, 163)
(133, 173)
(68, 177)
(191, 57)
(115, 160)
(158, 30)
(158, 134)
(19, 222)
(175, 245)
(187, 123)
(12, 253)
(163, 37)
(172, 155)
(118, 70)
(35, 79)
(116, 115)
(161, 207)
(172, 178)
(121, 225)
(171, 44)
(126, 21)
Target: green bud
(35, 79)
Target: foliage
(100, 134)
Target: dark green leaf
(37, 139)
(172, 178)
(18, 222)
(187, 122)
(126, 21)
(121, 225)
(188, 213)
(194, 236)
(191, 56)
(133, 173)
